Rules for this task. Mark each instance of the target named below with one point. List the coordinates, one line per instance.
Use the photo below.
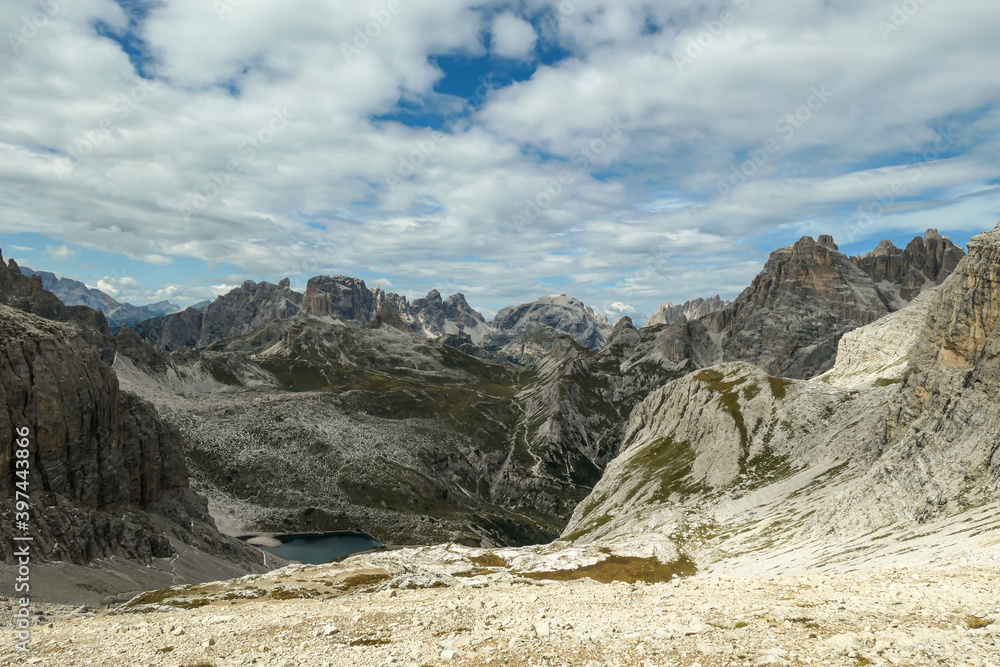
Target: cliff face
(866, 447)
(792, 316)
(107, 477)
(902, 274)
(692, 310)
(247, 308)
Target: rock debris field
(471, 608)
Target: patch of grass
(188, 604)
(740, 624)
(290, 594)
(590, 527)
(666, 460)
(364, 580)
(886, 382)
(165, 649)
(622, 568)
(489, 560)
(862, 662)
(245, 594)
(709, 375)
(976, 623)
(778, 386)
(153, 597)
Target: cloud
(513, 37)
(94, 155)
(115, 286)
(60, 253)
(619, 307)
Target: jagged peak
(827, 240)
(885, 247)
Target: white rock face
(879, 351)
(692, 310)
(559, 312)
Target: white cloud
(640, 221)
(60, 253)
(513, 37)
(115, 286)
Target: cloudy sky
(627, 153)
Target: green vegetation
(664, 460)
(887, 382)
(621, 568)
(976, 623)
(740, 624)
(778, 386)
(489, 560)
(364, 580)
(290, 594)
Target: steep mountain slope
(107, 477)
(902, 274)
(789, 320)
(669, 313)
(75, 293)
(729, 461)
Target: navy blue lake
(319, 548)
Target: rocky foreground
(366, 611)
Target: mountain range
(75, 293)
(347, 408)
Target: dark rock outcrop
(926, 261)
(789, 320)
(106, 476)
(247, 308)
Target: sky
(626, 153)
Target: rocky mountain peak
(791, 317)
(885, 247)
(689, 310)
(827, 240)
(902, 274)
(559, 312)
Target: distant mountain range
(75, 293)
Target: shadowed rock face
(789, 320)
(927, 260)
(339, 297)
(247, 308)
(107, 477)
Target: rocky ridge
(109, 478)
(669, 313)
(902, 274)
